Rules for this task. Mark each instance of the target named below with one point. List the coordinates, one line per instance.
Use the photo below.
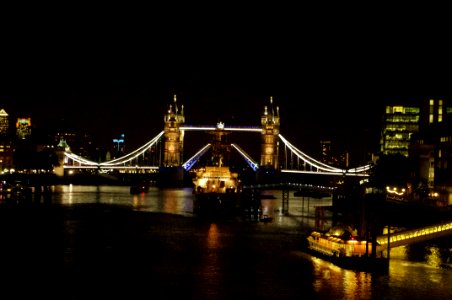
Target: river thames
(101, 242)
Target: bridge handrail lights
(135, 153)
(324, 173)
(247, 158)
(414, 233)
(244, 128)
(114, 167)
(311, 161)
(292, 185)
(80, 159)
(118, 161)
(319, 165)
(324, 168)
(192, 160)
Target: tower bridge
(167, 148)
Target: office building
(399, 124)
(23, 128)
(4, 123)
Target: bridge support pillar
(285, 201)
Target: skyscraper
(23, 128)
(399, 123)
(6, 149)
(433, 145)
(4, 123)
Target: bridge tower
(61, 148)
(171, 171)
(270, 122)
(174, 137)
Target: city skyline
(307, 139)
(136, 108)
(331, 82)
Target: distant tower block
(270, 132)
(174, 137)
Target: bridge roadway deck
(417, 235)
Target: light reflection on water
(174, 201)
(210, 274)
(407, 278)
(180, 201)
(347, 284)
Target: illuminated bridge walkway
(411, 236)
(295, 161)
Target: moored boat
(216, 189)
(343, 248)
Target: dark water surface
(89, 242)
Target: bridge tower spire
(173, 136)
(270, 130)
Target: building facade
(399, 124)
(4, 123)
(432, 148)
(23, 128)
(6, 145)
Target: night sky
(330, 73)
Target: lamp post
(119, 141)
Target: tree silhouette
(392, 170)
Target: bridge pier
(285, 201)
(302, 204)
(171, 176)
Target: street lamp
(119, 141)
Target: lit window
(398, 109)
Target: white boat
(216, 189)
